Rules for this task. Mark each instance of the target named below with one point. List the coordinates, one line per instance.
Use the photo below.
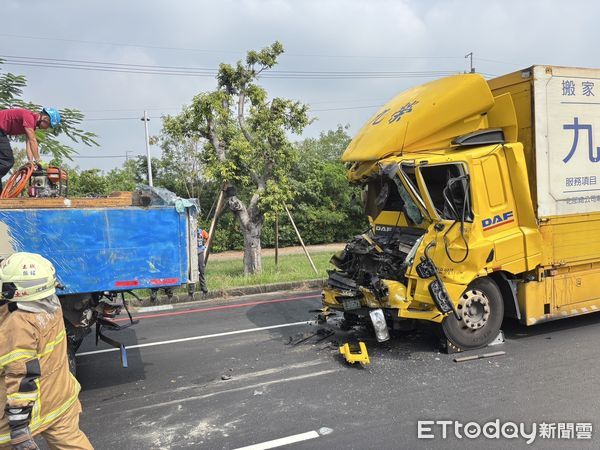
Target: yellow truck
(483, 198)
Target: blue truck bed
(106, 249)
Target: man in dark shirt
(19, 122)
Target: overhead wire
(157, 47)
(160, 117)
(106, 66)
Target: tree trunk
(251, 222)
(252, 248)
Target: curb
(232, 293)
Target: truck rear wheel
(482, 311)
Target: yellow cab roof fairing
(430, 116)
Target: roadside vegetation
(229, 274)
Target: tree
(11, 90)
(245, 143)
(180, 168)
(327, 207)
(125, 178)
(88, 183)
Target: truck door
(499, 218)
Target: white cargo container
(564, 135)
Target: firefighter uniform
(36, 384)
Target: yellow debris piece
(354, 353)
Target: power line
(160, 117)
(345, 109)
(99, 156)
(177, 108)
(497, 62)
(117, 118)
(141, 108)
(156, 47)
(207, 72)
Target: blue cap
(54, 116)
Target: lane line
(197, 338)
(229, 391)
(217, 308)
(147, 309)
(263, 373)
(282, 441)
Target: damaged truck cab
(456, 237)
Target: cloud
(318, 35)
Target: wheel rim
(474, 308)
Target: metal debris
(355, 353)
(482, 356)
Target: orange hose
(17, 182)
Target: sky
(367, 50)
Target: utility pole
(470, 56)
(146, 119)
(127, 155)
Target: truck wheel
(482, 311)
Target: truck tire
(482, 310)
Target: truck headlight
(381, 330)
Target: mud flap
(110, 325)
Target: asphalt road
(213, 375)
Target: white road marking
(197, 338)
(228, 391)
(282, 441)
(145, 309)
(263, 373)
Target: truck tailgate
(103, 249)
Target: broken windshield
(387, 193)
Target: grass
(230, 274)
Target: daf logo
(497, 220)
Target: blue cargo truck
(104, 254)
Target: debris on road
(482, 356)
(355, 353)
(225, 377)
(321, 334)
(324, 431)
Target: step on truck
(104, 250)
(483, 198)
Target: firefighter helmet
(27, 277)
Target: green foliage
(235, 135)
(325, 207)
(95, 183)
(88, 183)
(11, 90)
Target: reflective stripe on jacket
(34, 367)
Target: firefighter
(39, 393)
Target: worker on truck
(39, 393)
(19, 122)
